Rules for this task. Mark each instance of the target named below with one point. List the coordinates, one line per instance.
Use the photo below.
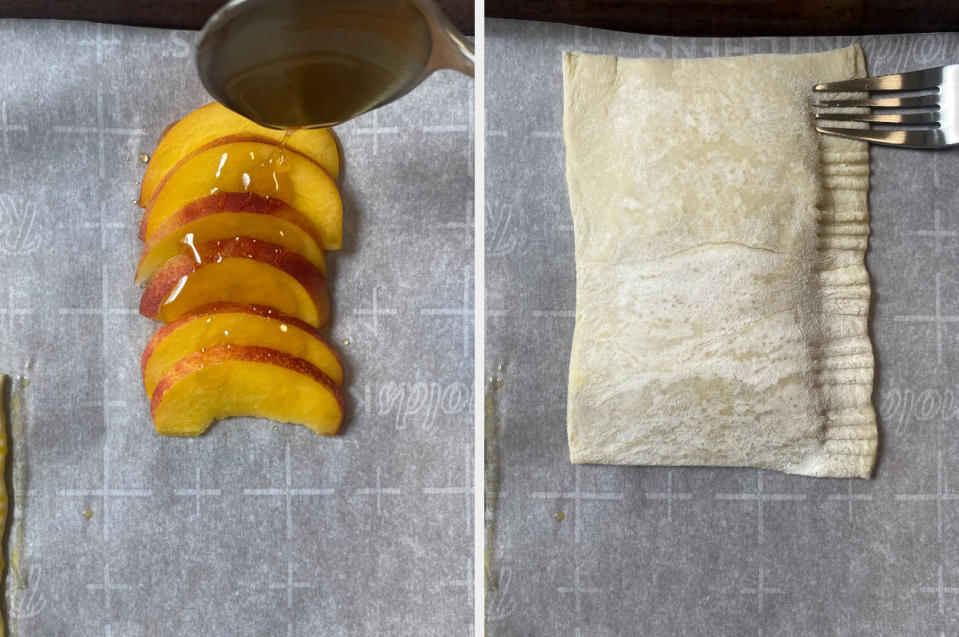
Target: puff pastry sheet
(722, 298)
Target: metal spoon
(314, 63)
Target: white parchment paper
(603, 551)
(252, 529)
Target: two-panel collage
(453, 318)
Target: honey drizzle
(263, 174)
(278, 159)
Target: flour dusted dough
(721, 295)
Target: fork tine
(914, 80)
(891, 118)
(882, 102)
(911, 138)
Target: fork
(933, 122)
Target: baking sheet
(252, 529)
(690, 551)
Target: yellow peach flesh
(213, 390)
(213, 121)
(239, 280)
(249, 167)
(228, 224)
(238, 328)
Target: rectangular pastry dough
(721, 294)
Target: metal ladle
(314, 63)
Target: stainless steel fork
(928, 117)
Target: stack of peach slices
(236, 219)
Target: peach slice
(238, 270)
(230, 214)
(225, 381)
(235, 325)
(251, 167)
(213, 121)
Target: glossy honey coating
(234, 264)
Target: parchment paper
(694, 551)
(253, 529)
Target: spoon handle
(451, 49)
